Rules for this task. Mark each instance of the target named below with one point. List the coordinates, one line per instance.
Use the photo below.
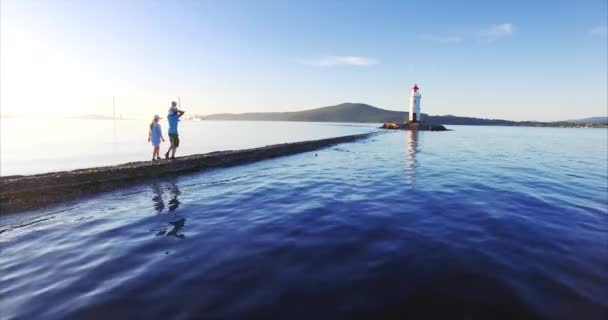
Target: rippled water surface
(475, 223)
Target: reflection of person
(173, 119)
(174, 202)
(159, 197)
(155, 135)
(159, 204)
(176, 229)
(177, 226)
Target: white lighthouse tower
(415, 115)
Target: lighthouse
(415, 115)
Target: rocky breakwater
(413, 126)
(20, 193)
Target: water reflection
(175, 193)
(158, 198)
(412, 149)
(176, 229)
(158, 194)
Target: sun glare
(40, 79)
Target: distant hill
(345, 112)
(361, 112)
(592, 120)
(352, 112)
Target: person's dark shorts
(174, 139)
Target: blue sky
(521, 60)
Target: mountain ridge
(590, 120)
(361, 112)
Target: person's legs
(156, 152)
(174, 144)
(170, 147)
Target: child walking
(155, 135)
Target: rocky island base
(20, 193)
(414, 126)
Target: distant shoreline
(198, 118)
(363, 113)
(539, 125)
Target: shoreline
(27, 192)
(413, 126)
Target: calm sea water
(30, 146)
(475, 223)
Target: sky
(520, 60)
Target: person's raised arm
(180, 113)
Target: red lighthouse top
(415, 88)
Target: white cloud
(342, 61)
(599, 31)
(440, 39)
(497, 31)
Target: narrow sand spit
(20, 193)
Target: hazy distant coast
(363, 113)
(360, 112)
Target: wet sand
(20, 193)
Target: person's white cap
(156, 117)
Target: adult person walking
(173, 119)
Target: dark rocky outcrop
(413, 126)
(19, 193)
